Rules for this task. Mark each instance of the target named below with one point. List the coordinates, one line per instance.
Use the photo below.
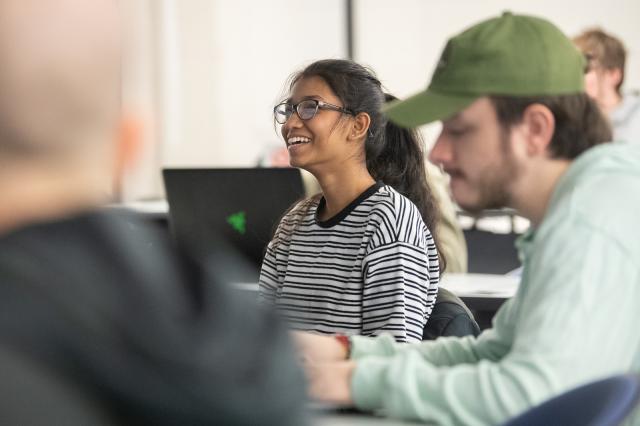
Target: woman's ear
(614, 76)
(359, 127)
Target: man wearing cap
(518, 131)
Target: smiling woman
(360, 258)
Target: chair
(450, 317)
(606, 402)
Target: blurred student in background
(360, 258)
(102, 321)
(606, 58)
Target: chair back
(449, 317)
(606, 402)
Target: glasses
(306, 110)
(591, 62)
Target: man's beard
(493, 184)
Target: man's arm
(564, 322)
(492, 344)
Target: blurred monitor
(229, 215)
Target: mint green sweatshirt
(574, 319)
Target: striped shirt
(372, 268)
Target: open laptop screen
(230, 212)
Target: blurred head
(510, 92)
(606, 57)
(60, 83)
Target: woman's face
(320, 143)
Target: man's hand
(316, 348)
(330, 381)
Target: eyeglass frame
(592, 62)
(319, 105)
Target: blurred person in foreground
(518, 131)
(102, 321)
(606, 56)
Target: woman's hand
(330, 381)
(324, 361)
(317, 348)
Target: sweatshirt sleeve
(567, 334)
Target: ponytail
(399, 162)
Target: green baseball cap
(511, 55)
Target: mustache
(457, 173)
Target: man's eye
(457, 131)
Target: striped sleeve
(269, 278)
(400, 283)
(276, 258)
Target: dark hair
(394, 155)
(580, 124)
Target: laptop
(228, 216)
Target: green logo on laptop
(238, 222)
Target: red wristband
(346, 342)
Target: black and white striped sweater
(372, 268)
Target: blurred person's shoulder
(625, 119)
(108, 302)
(96, 257)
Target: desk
(154, 207)
(357, 419)
(482, 293)
(482, 286)
(156, 212)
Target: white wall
(204, 75)
(141, 93)
(234, 57)
(215, 68)
(402, 39)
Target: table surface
(481, 285)
(357, 419)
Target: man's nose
(441, 151)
